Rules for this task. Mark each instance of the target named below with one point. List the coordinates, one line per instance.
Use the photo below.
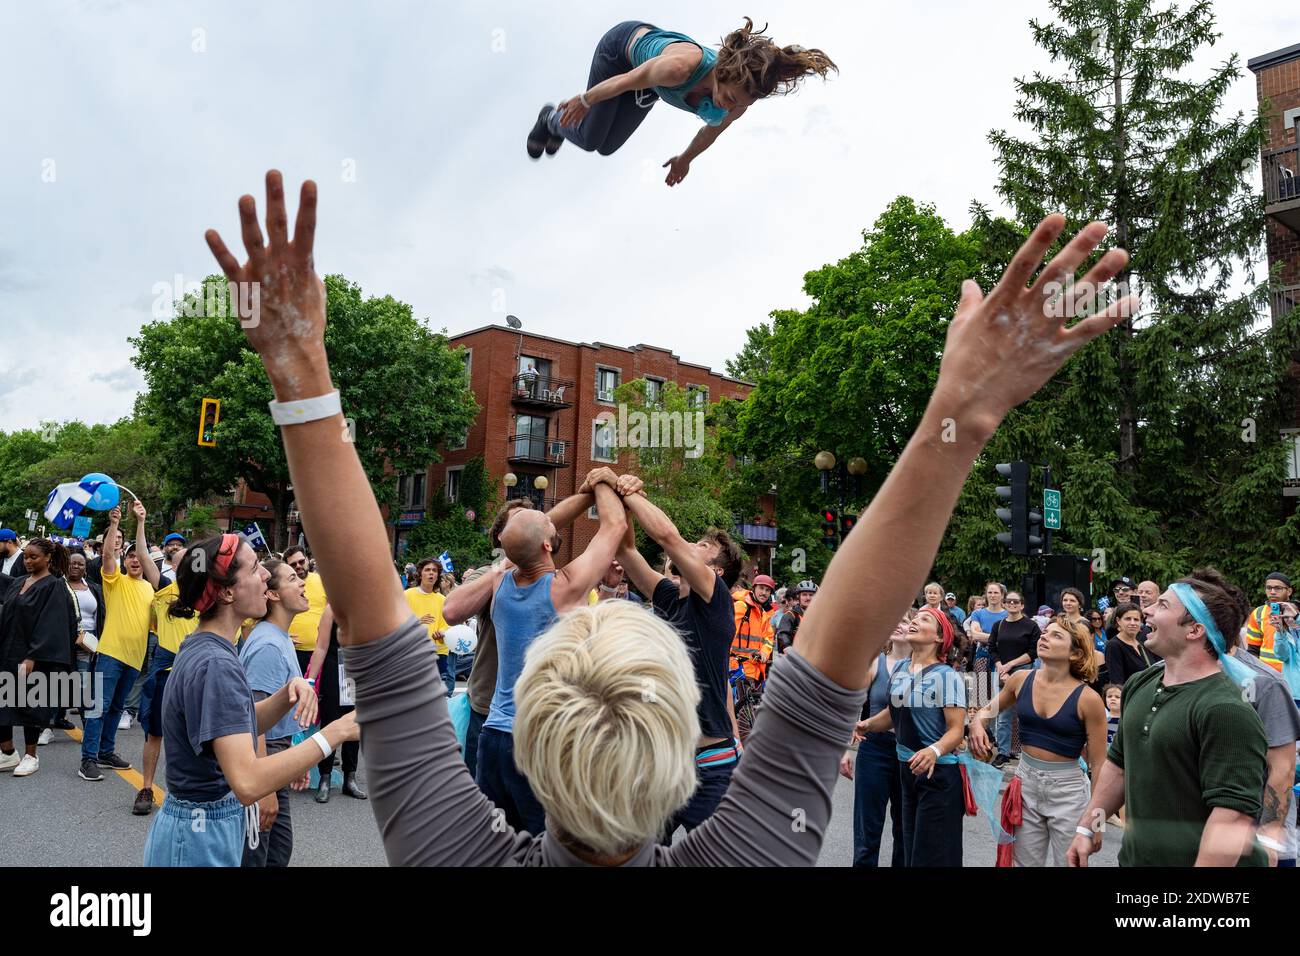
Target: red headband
(945, 628)
(225, 554)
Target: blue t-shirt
(269, 663)
(519, 615)
(986, 619)
(958, 613)
(207, 697)
(916, 703)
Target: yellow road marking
(130, 776)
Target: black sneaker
(63, 724)
(1000, 761)
(90, 771)
(112, 762)
(540, 138)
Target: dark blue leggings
(609, 123)
(875, 785)
(932, 813)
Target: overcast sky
(131, 127)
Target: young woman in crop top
(636, 64)
(1061, 719)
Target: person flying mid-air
(636, 64)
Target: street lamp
(824, 461)
(511, 479)
(540, 482)
(835, 523)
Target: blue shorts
(151, 695)
(186, 833)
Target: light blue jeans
(185, 833)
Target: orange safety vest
(1261, 635)
(754, 635)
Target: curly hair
(750, 61)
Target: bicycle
(746, 693)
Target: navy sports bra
(1062, 734)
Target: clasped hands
(623, 485)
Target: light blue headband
(1239, 672)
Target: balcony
(538, 498)
(540, 391)
(758, 534)
(1282, 185)
(537, 450)
(1283, 299)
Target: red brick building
(1277, 79)
(539, 398)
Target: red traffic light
(828, 517)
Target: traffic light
(846, 525)
(209, 415)
(830, 528)
(1034, 537)
(1016, 517)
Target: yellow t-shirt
(304, 626)
(127, 601)
(430, 603)
(171, 631)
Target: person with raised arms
(701, 609)
(636, 64)
(528, 594)
(606, 726)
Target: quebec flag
(66, 501)
(253, 535)
(445, 560)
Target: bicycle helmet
(808, 586)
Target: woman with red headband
(927, 712)
(211, 723)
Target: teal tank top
(653, 44)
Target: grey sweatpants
(1053, 797)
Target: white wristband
(582, 98)
(324, 745)
(1085, 832)
(1270, 843)
(301, 410)
(937, 751)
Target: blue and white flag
(445, 560)
(253, 535)
(66, 501)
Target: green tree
(755, 356)
(447, 528)
(852, 373)
(1164, 432)
(404, 394)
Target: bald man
(1148, 593)
(528, 594)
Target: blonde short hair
(606, 726)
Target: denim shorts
(186, 833)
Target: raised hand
(137, 507)
(628, 485)
(115, 516)
(1019, 321)
(288, 325)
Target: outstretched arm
(580, 575)
(686, 556)
(871, 580)
(142, 547)
(340, 514)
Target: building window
(1291, 486)
(458, 443)
(606, 381)
(697, 397)
(602, 441)
(410, 490)
(453, 483)
(468, 356)
(593, 514)
(654, 388)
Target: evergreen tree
(1164, 432)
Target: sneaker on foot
(112, 762)
(539, 138)
(125, 722)
(1000, 761)
(46, 736)
(27, 766)
(9, 761)
(63, 724)
(90, 771)
(143, 803)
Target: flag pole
(127, 490)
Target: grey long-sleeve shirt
(430, 812)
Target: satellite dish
(513, 322)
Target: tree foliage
(404, 393)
